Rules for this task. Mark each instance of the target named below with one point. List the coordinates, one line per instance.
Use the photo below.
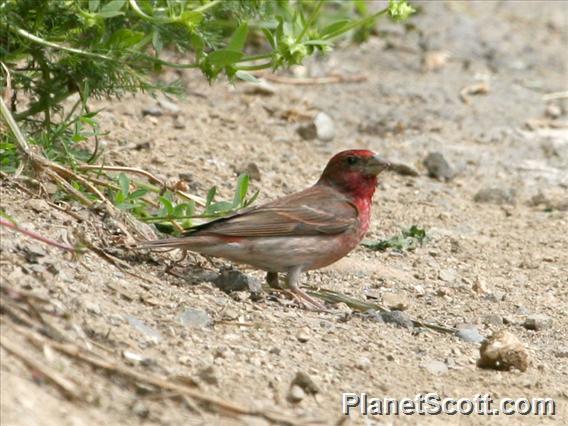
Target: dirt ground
(491, 259)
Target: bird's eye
(352, 160)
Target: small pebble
(495, 195)
(397, 317)
(209, 376)
(195, 318)
(304, 381)
(153, 111)
(296, 394)
(363, 363)
(470, 334)
(395, 302)
(438, 167)
(325, 128)
(553, 111)
(262, 88)
(230, 280)
(303, 335)
(140, 409)
(169, 106)
(537, 322)
(435, 367)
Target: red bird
(299, 232)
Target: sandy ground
(489, 262)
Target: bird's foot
(306, 301)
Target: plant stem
(311, 20)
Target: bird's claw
(306, 301)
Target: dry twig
(69, 389)
(331, 79)
(215, 403)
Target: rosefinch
(299, 232)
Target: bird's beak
(376, 165)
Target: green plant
(408, 239)
(53, 49)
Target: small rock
(537, 322)
(521, 310)
(307, 131)
(363, 363)
(93, 308)
(252, 171)
(303, 335)
(553, 111)
(169, 106)
(435, 60)
(469, 333)
(37, 205)
(305, 382)
(296, 394)
(495, 195)
(492, 319)
(503, 351)
(140, 409)
(435, 367)
(447, 275)
(275, 350)
(262, 88)
(153, 111)
(230, 280)
(179, 123)
(438, 167)
(204, 276)
(208, 375)
(133, 357)
(149, 332)
(195, 318)
(397, 317)
(325, 127)
(480, 286)
(395, 302)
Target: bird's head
(354, 172)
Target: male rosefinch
(299, 232)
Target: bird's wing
(317, 210)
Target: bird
(296, 233)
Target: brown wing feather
(295, 214)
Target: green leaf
(167, 205)
(138, 193)
(241, 190)
(157, 40)
(125, 38)
(112, 9)
(224, 57)
(335, 27)
(94, 5)
(124, 183)
(221, 206)
(270, 37)
(317, 43)
(239, 38)
(191, 18)
(210, 196)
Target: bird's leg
(292, 285)
(272, 280)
